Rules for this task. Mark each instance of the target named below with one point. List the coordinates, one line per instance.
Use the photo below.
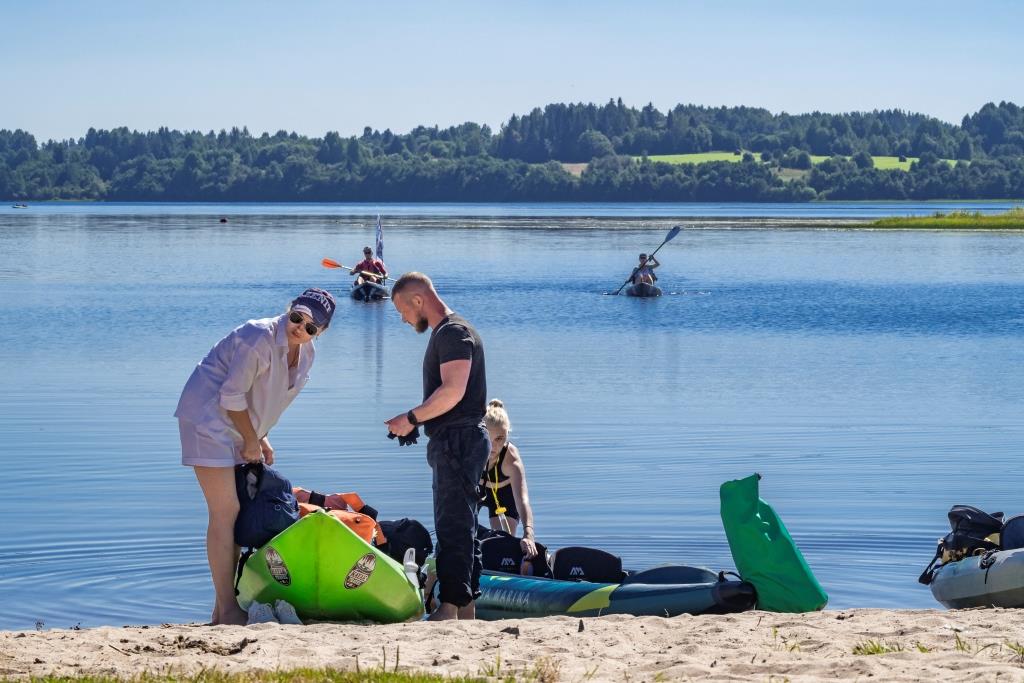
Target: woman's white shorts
(203, 448)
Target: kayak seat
(502, 553)
(579, 563)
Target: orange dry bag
(363, 525)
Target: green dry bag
(764, 552)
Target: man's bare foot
(467, 611)
(444, 612)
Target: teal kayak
(663, 591)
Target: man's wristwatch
(411, 417)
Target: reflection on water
(874, 379)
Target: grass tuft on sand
(293, 676)
(876, 647)
(544, 670)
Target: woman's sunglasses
(297, 318)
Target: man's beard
(422, 325)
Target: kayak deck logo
(361, 570)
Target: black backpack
(503, 552)
(403, 534)
(969, 530)
(579, 563)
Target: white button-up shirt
(246, 370)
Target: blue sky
(313, 66)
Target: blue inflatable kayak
(369, 291)
(995, 579)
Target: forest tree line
(982, 158)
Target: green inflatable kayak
(765, 553)
(325, 571)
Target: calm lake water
(873, 378)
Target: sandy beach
(920, 645)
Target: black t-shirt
(455, 339)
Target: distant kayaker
(370, 269)
(452, 412)
(503, 491)
(643, 274)
(229, 405)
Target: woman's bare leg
(218, 484)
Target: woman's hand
(267, 451)
(529, 548)
(251, 451)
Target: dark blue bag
(1011, 536)
(266, 504)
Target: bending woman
(229, 405)
(503, 485)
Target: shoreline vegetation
(581, 152)
(956, 220)
(862, 644)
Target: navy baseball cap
(317, 303)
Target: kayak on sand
(662, 591)
(327, 572)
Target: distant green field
(883, 163)
(699, 158)
(957, 220)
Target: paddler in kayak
(503, 491)
(229, 405)
(643, 274)
(371, 270)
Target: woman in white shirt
(228, 406)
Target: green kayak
(327, 572)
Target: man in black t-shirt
(454, 403)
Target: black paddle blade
(673, 232)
